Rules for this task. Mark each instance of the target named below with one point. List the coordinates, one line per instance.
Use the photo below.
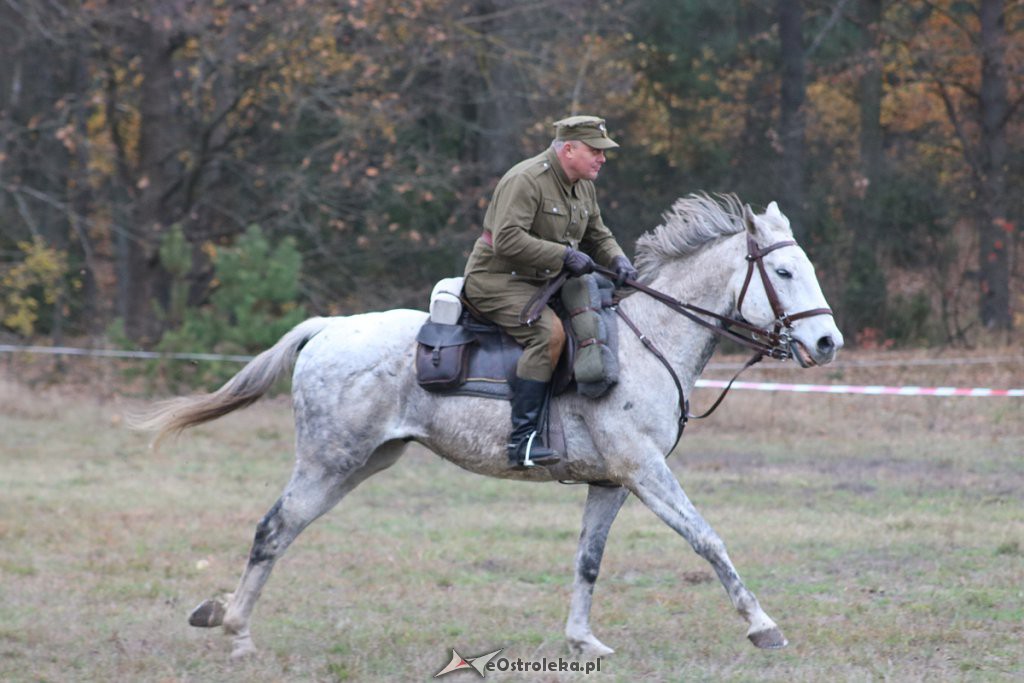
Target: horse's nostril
(826, 345)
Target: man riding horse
(542, 218)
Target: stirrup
(528, 462)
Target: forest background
(189, 175)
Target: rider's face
(582, 161)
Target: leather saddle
(475, 357)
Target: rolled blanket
(595, 327)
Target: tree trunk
(791, 124)
(12, 56)
(870, 88)
(504, 105)
(865, 295)
(994, 231)
(80, 200)
(154, 177)
(756, 176)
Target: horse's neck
(701, 279)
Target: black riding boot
(524, 445)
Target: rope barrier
(120, 353)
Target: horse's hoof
(769, 639)
(589, 646)
(243, 649)
(208, 614)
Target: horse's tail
(251, 382)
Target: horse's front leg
(603, 504)
(661, 492)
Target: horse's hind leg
(603, 504)
(312, 491)
(661, 492)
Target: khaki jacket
(534, 215)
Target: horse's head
(778, 290)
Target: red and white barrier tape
(871, 390)
(710, 383)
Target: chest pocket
(552, 222)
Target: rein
(772, 343)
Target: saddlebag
(442, 356)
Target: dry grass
(885, 535)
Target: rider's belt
(498, 264)
(487, 238)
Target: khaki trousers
(502, 298)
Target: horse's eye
(784, 274)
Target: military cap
(588, 129)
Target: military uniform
(538, 221)
(534, 215)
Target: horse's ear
(748, 219)
(776, 216)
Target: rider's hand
(576, 262)
(624, 270)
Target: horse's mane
(692, 222)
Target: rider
(543, 217)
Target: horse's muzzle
(824, 351)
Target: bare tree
(791, 114)
(865, 298)
(994, 112)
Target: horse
(357, 403)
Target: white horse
(357, 404)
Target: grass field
(884, 535)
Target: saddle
(462, 353)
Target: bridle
(778, 339)
(773, 341)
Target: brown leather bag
(442, 356)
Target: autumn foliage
(369, 134)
